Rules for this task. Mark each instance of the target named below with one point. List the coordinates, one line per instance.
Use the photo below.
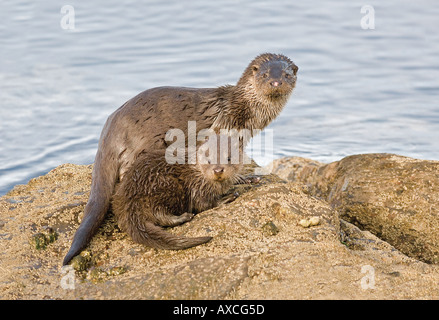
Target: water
(358, 91)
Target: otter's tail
(154, 236)
(103, 181)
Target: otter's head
(220, 159)
(270, 78)
(221, 172)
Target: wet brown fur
(156, 194)
(139, 126)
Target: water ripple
(358, 91)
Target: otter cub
(156, 194)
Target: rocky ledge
(364, 227)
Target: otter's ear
(295, 68)
(255, 68)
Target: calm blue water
(358, 90)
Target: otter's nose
(276, 83)
(218, 171)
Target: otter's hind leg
(169, 220)
(149, 233)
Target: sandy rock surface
(263, 247)
(394, 197)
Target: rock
(270, 228)
(294, 168)
(42, 239)
(82, 261)
(394, 197)
(306, 223)
(258, 251)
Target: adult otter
(155, 194)
(140, 125)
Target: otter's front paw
(229, 198)
(252, 179)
